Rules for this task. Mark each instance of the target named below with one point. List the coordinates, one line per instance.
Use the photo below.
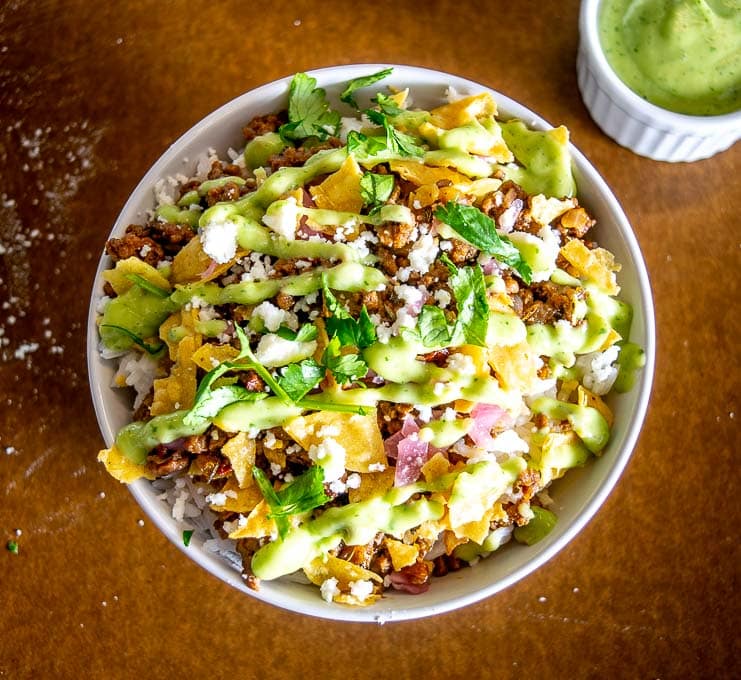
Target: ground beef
(574, 223)
(391, 417)
(396, 236)
(210, 466)
(296, 156)
(252, 381)
(508, 208)
(546, 302)
(362, 555)
(444, 564)
(462, 253)
(387, 261)
(162, 462)
(131, 245)
(163, 238)
(230, 191)
(261, 125)
(439, 357)
(284, 301)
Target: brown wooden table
(90, 95)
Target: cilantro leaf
(479, 230)
(346, 368)
(387, 105)
(375, 189)
(469, 289)
(361, 332)
(271, 498)
(362, 147)
(299, 379)
(12, 547)
(309, 114)
(306, 333)
(397, 142)
(358, 83)
(187, 535)
(433, 326)
(304, 493)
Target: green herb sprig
(303, 494)
(479, 230)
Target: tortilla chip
(121, 468)
(258, 524)
(480, 357)
(372, 484)
(544, 210)
(516, 366)
(133, 265)
(451, 541)
(463, 111)
(450, 193)
(478, 188)
(586, 398)
(210, 355)
(275, 455)
(192, 264)
(428, 531)
(420, 174)
(612, 337)
(358, 435)
(238, 499)
(597, 265)
(329, 566)
(240, 450)
(425, 196)
(477, 530)
(341, 190)
(435, 467)
(567, 389)
(402, 555)
(178, 390)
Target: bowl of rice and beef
(371, 343)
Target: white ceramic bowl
(630, 120)
(577, 496)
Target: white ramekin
(630, 120)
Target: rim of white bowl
(141, 490)
(653, 115)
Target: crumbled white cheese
(216, 499)
(329, 589)
(274, 350)
(461, 364)
(219, 241)
(361, 589)
(331, 456)
(337, 487)
(424, 413)
(508, 442)
(353, 480)
(423, 254)
(442, 297)
(282, 218)
(376, 467)
(273, 317)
